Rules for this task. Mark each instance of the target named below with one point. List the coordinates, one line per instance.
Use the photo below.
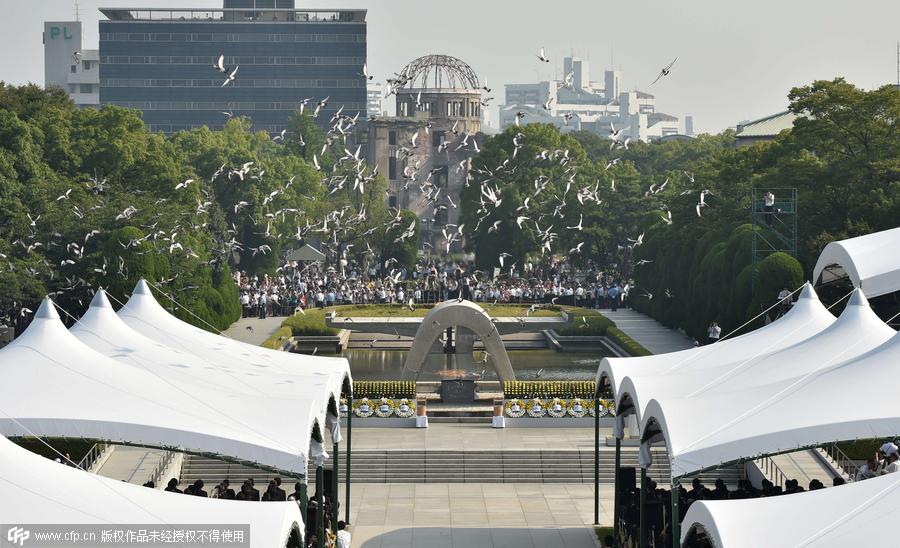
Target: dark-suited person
(281, 491)
(272, 493)
(197, 489)
(172, 486)
(253, 490)
(296, 494)
(223, 491)
(246, 493)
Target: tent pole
(335, 511)
(676, 512)
(597, 461)
(320, 506)
(304, 498)
(643, 529)
(347, 458)
(616, 493)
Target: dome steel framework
(439, 72)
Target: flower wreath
(410, 409)
(610, 407)
(515, 408)
(557, 408)
(384, 409)
(343, 409)
(363, 408)
(590, 407)
(536, 409)
(578, 408)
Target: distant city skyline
(735, 61)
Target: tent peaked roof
(786, 414)
(871, 262)
(280, 407)
(145, 315)
(38, 490)
(91, 396)
(857, 514)
(806, 317)
(306, 253)
(47, 310)
(856, 331)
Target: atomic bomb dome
(440, 72)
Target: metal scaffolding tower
(774, 229)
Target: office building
(375, 99)
(68, 66)
(578, 103)
(161, 61)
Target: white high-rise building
(374, 99)
(67, 65)
(577, 103)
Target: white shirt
(714, 332)
(343, 539)
(769, 199)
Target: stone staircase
(418, 466)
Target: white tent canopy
(872, 262)
(856, 514)
(38, 490)
(806, 318)
(855, 332)
(70, 390)
(839, 400)
(235, 390)
(144, 314)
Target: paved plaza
(475, 515)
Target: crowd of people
(273, 493)
(659, 504)
(312, 286)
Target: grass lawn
(400, 311)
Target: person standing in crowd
(343, 535)
(261, 303)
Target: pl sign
(56, 32)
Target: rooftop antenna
(77, 14)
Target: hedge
(629, 345)
(309, 324)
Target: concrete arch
(464, 314)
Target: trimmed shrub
(310, 324)
(627, 344)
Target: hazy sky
(736, 59)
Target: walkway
(651, 334)
(471, 515)
(259, 331)
(461, 515)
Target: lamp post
(347, 476)
(320, 506)
(596, 460)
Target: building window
(392, 168)
(392, 138)
(392, 201)
(86, 88)
(73, 69)
(437, 137)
